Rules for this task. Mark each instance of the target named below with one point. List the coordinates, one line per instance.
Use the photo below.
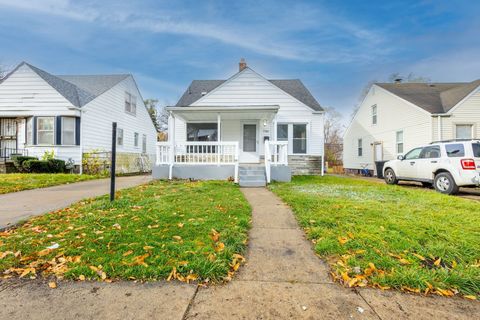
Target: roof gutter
(224, 108)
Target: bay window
(45, 130)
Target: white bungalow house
(247, 128)
(73, 115)
(397, 117)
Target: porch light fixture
(264, 123)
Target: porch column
(219, 128)
(171, 139)
(274, 129)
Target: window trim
(118, 136)
(397, 142)
(374, 111)
(472, 129)
(136, 136)
(63, 128)
(360, 147)
(199, 122)
(53, 130)
(290, 136)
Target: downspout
(81, 141)
(323, 145)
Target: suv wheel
(444, 183)
(390, 177)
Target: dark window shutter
(34, 129)
(77, 131)
(58, 130)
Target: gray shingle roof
(432, 97)
(294, 87)
(79, 89)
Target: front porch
(223, 143)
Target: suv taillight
(468, 164)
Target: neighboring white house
(73, 115)
(396, 117)
(218, 125)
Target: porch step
(252, 176)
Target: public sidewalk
(19, 206)
(282, 279)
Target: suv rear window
(455, 150)
(476, 150)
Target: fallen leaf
(178, 238)
(81, 277)
(180, 225)
(437, 262)
(214, 235)
(343, 240)
(470, 297)
(219, 247)
(129, 252)
(52, 285)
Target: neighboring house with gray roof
(396, 117)
(73, 115)
(246, 121)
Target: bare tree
(333, 131)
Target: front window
(30, 131)
(119, 137)
(299, 138)
(45, 130)
(68, 131)
(144, 143)
(430, 152)
(360, 147)
(282, 132)
(476, 150)
(463, 131)
(413, 154)
(202, 132)
(399, 143)
(374, 114)
(455, 150)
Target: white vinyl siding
(110, 107)
(249, 88)
(394, 115)
(68, 131)
(45, 130)
(399, 142)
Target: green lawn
(162, 230)
(389, 236)
(13, 182)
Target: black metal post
(113, 162)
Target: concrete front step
(252, 184)
(260, 177)
(251, 173)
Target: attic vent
(204, 93)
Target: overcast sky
(334, 47)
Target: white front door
(249, 143)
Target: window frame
(120, 137)
(360, 147)
(374, 115)
(471, 125)
(136, 139)
(200, 122)
(29, 131)
(131, 102)
(290, 137)
(38, 131)
(144, 143)
(63, 129)
(399, 142)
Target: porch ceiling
(226, 113)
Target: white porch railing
(198, 153)
(276, 153)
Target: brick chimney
(242, 65)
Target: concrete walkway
(283, 279)
(18, 206)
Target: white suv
(447, 165)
